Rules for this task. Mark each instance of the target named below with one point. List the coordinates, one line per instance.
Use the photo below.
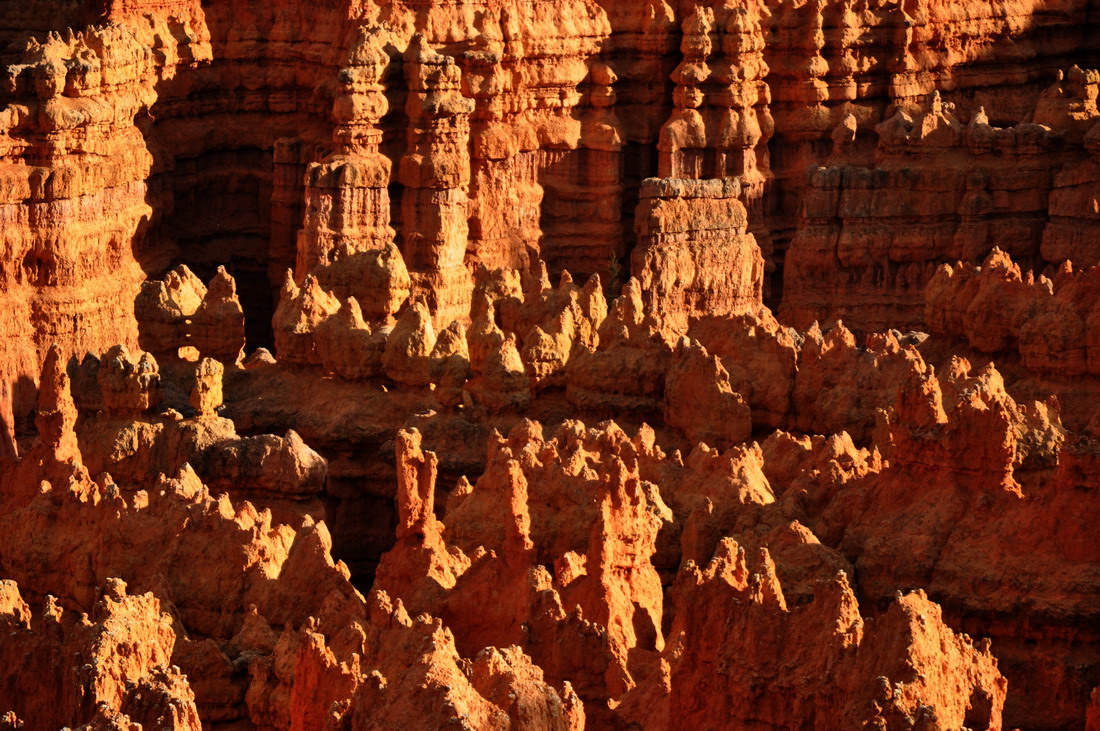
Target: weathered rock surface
(940, 189)
(549, 364)
(694, 257)
(117, 667)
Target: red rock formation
(694, 257)
(699, 399)
(346, 345)
(1043, 325)
(1046, 321)
(180, 312)
(832, 59)
(346, 124)
(371, 198)
(301, 310)
(721, 122)
(761, 358)
(73, 152)
(1066, 237)
(614, 585)
(985, 466)
(117, 663)
(128, 387)
(907, 653)
(839, 386)
(627, 370)
(975, 187)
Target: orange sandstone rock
(518, 254)
(694, 256)
(117, 663)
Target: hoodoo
(549, 364)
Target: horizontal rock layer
(549, 364)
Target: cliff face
(941, 191)
(78, 199)
(549, 364)
(266, 138)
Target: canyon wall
(268, 137)
(875, 228)
(549, 364)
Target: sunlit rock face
(549, 364)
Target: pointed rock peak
(311, 287)
(182, 276)
(416, 475)
(958, 369)
(455, 330)
(290, 289)
(496, 444)
(814, 334)
(380, 608)
(452, 341)
(620, 486)
(936, 106)
(185, 290)
(700, 22)
(418, 316)
(538, 338)
(728, 564)
(1000, 261)
(56, 417)
(839, 335)
(593, 286)
(351, 315)
(920, 399)
(536, 281)
(116, 356)
(839, 446)
(53, 386)
(524, 433)
(505, 358)
(645, 441)
(420, 50)
(147, 364)
(765, 582)
(990, 383)
(517, 528)
(632, 292)
(484, 317)
(462, 487)
(628, 308)
(410, 344)
(222, 287)
(313, 302)
(186, 484)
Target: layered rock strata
(371, 364)
(939, 190)
(569, 106)
(694, 256)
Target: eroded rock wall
(549, 364)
